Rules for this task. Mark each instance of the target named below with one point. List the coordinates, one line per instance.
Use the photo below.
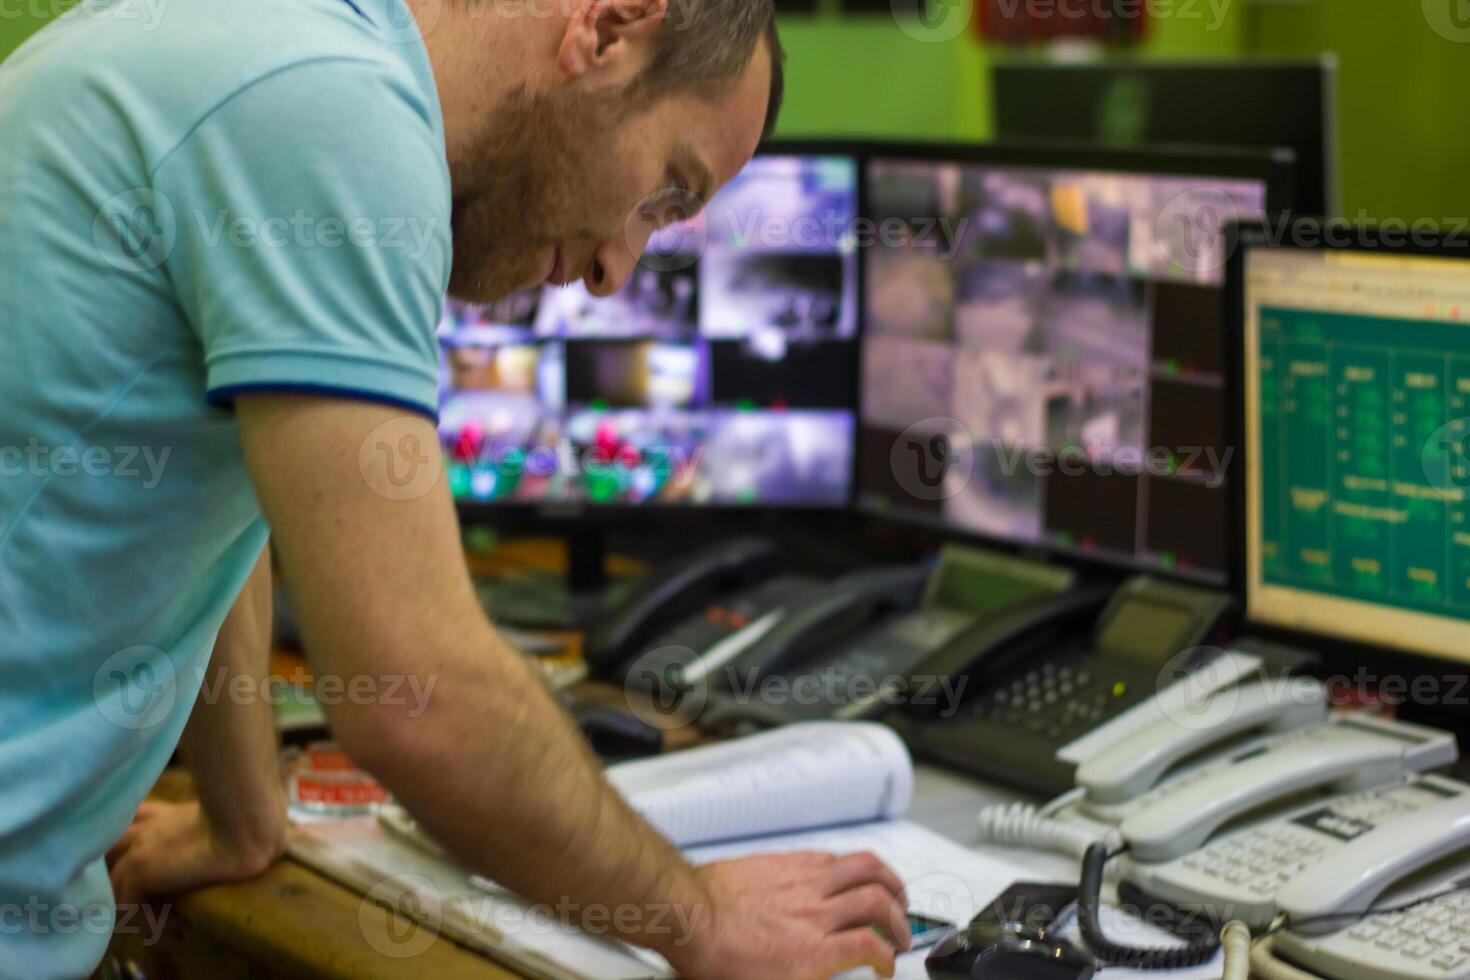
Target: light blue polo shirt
(198, 198)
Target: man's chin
(482, 285)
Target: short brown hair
(705, 44)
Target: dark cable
(1089, 901)
(1318, 920)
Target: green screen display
(1362, 457)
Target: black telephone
(805, 667)
(1048, 672)
(674, 593)
(850, 653)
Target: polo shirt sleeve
(312, 244)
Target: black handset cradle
(672, 593)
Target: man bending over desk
(225, 232)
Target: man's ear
(610, 38)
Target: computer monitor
(1291, 103)
(1356, 435)
(1044, 351)
(722, 375)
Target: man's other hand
(797, 917)
(170, 848)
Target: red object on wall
(1021, 22)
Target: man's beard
(542, 174)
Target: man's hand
(170, 848)
(796, 916)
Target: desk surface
(305, 925)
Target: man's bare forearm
(488, 760)
(556, 831)
(230, 742)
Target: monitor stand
(568, 601)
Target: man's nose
(613, 262)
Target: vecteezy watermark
(624, 920)
(38, 917)
(1445, 458)
(666, 688)
(147, 14)
(411, 691)
(936, 459)
(300, 230)
(1189, 229)
(836, 688)
(401, 916)
(138, 230)
(933, 459)
(399, 460)
(38, 459)
(138, 688)
(1450, 19)
(938, 21)
(670, 230)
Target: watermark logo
(1190, 229)
(135, 231)
(1209, 697)
(1446, 458)
(935, 21)
(397, 462)
(932, 459)
(942, 896)
(136, 688)
(401, 916)
(661, 230)
(665, 690)
(1450, 19)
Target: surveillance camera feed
(723, 373)
(1043, 358)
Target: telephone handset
(1241, 874)
(853, 601)
(1420, 865)
(1138, 761)
(1364, 870)
(820, 649)
(672, 594)
(1343, 755)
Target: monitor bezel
(1276, 167)
(563, 514)
(1325, 67)
(1310, 234)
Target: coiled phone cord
(1201, 949)
(1023, 825)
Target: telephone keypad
(1057, 701)
(1265, 858)
(1434, 933)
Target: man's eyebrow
(687, 163)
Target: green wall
(1403, 90)
(1404, 86)
(19, 19)
(879, 76)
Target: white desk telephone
(1423, 857)
(1344, 755)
